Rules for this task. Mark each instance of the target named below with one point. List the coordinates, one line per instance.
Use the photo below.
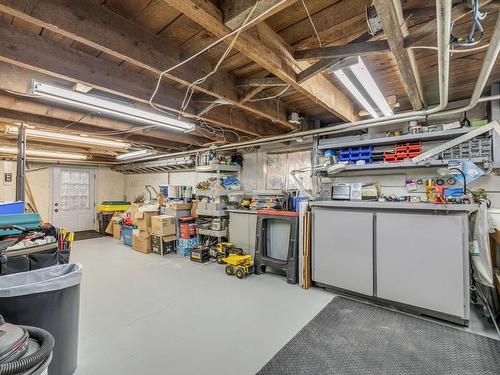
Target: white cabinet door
(73, 201)
(342, 252)
(420, 260)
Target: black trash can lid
(39, 281)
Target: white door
(73, 201)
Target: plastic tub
(12, 208)
(127, 234)
(48, 298)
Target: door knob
(56, 210)
(56, 204)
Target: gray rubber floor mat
(349, 337)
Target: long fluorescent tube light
(363, 76)
(355, 92)
(93, 103)
(136, 154)
(44, 154)
(69, 138)
(366, 79)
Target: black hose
(24, 364)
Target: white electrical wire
(157, 87)
(192, 86)
(271, 97)
(312, 23)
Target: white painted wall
(110, 185)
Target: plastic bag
(480, 253)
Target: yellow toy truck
(224, 249)
(239, 265)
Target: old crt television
(277, 242)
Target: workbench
(410, 255)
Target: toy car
(239, 265)
(224, 249)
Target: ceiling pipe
(443, 12)
(488, 64)
(443, 18)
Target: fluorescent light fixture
(136, 154)
(363, 76)
(69, 138)
(354, 91)
(109, 107)
(44, 154)
(366, 79)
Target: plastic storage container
(104, 219)
(12, 208)
(48, 298)
(127, 234)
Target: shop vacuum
(24, 350)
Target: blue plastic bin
(127, 234)
(12, 208)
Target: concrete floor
(146, 314)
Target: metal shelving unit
(214, 213)
(325, 144)
(212, 233)
(218, 168)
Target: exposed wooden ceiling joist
(236, 11)
(395, 30)
(66, 63)
(351, 49)
(266, 81)
(262, 45)
(100, 28)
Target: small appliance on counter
(341, 192)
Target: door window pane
(75, 190)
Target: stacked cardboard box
(163, 229)
(141, 237)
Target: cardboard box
(194, 208)
(163, 245)
(179, 206)
(163, 225)
(142, 219)
(117, 230)
(141, 241)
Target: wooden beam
(98, 27)
(28, 106)
(236, 11)
(351, 49)
(51, 58)
(325, 64)
(262, 45)
(395, 30)
(257, 82)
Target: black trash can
(104, 219)
(47, 298)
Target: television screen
(278, 238)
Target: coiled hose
(24, 364)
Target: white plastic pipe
(443, 12)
